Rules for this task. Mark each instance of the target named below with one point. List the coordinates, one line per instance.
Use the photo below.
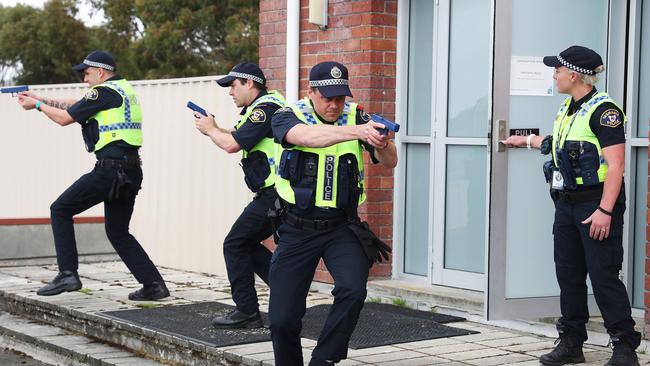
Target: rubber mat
(384, 324)
(379, 324)
(193, 322)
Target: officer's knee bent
(358, 295)
(56, 209)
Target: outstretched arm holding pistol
(207, 125)
(54, 109)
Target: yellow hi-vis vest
(266, 145)
(121, 123)
(325, 194)
(576, 128)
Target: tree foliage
(149, 38)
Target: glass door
(522, 280)
(441, 194)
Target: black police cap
(101, 59)
(331, 79)
(577, 58)
(245, 70)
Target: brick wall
(361, 34)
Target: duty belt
(129, 163)
(577, 196)
(313, 225)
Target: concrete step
(56, 346)
(131, 338)
(427, 297)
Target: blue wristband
(38, 105)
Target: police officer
(586, 178)
(111, 120)
(321, 183)
(243, 251)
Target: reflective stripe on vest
(325, 196)
(576, 128)
(267, 145)
(120, 123)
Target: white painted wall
(192, 191)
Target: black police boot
(567, 351)
(237, 319)
(152, 292)
(65, 281)
(624, 355)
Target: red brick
(351, 20)
(379, 195)
(340, 8)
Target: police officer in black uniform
(320, 182)
(586, 177)
(243, 251)
(110, 119)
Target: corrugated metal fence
(192, 190)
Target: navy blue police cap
(576, 58)
(244, 70)
(331, 79)
(101, 59)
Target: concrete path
(107, 284)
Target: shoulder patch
(610, 118)
(258, 116)
(92, 94)
(284, 109)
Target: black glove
(372, 246)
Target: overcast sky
(83, 15)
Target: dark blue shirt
(257, 126)
(96, 100)
(284, 120)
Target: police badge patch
(258, 116)
(336, 72)
(610, 118)
(92, 94)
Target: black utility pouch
(589, 162)
(348, 190)
(90, 133)
(256, 169)
(547, 168)
(566, 169)
(305, 187)
(290, 166)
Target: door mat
(384, 324)
(379, 324)
(192, 322)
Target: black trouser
(93, 188)
(244, 253)
(576, 255)
(292, 270)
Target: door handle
(501, 135)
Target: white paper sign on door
(529, 76)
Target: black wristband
(608, 213)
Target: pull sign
(524, 131)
